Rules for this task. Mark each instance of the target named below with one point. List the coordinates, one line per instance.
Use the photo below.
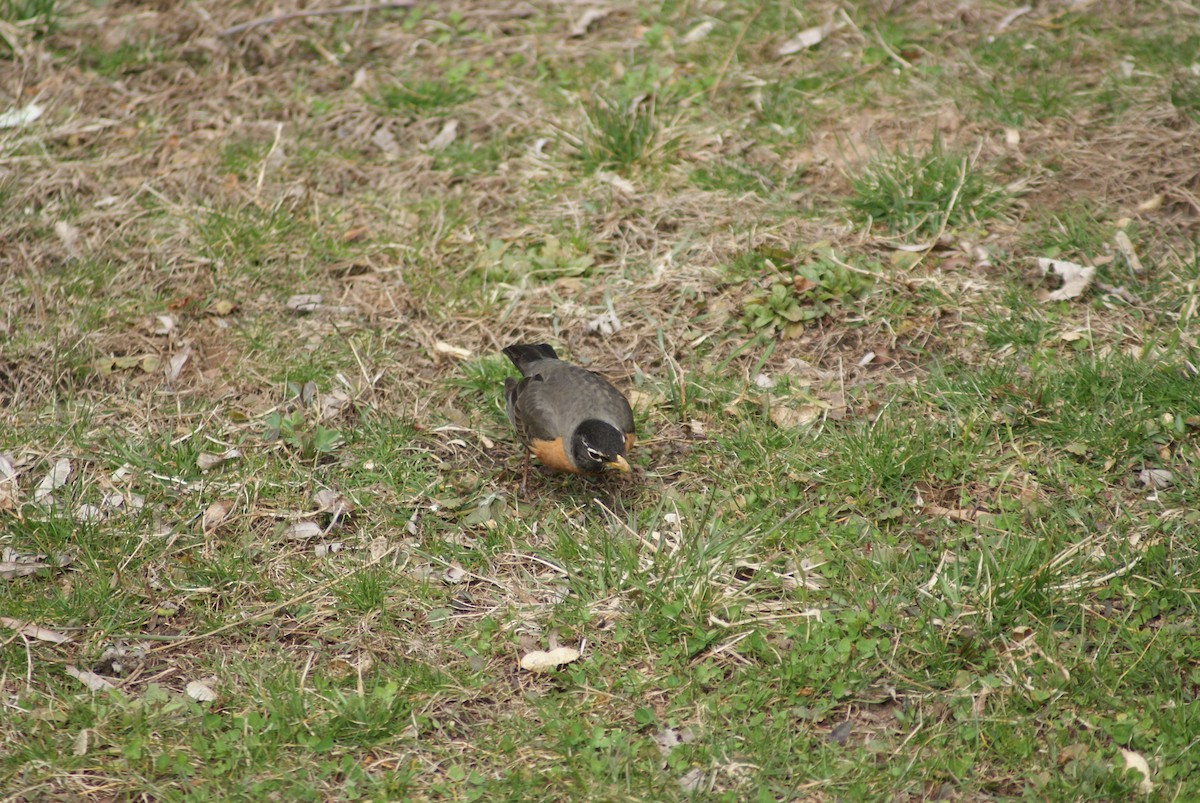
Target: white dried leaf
(540, 661)
(305, 302)
(809, 37)
(68, 235)
(332, 403)
(786, 417)
(323, 550)
(617, 182)
(385, 140)
(604, 325)
(19, 568)
(1125, 246)
(7, 470)
(206, 460)
(1155, 478)
(1152, 204)
(1010, 17)
(33, 631)
(80, 746)
(302, 530)
(88, 514)
(450, 350)
(693, 780)
(698, 33)
(379, 547)
(331, 502)
(586, 20)
(200, 691)
(1135, 761)
(1012, 137)
(1075, 278)
(176, 363)
(454, 574)
(15, 118)
(165, 324)
(764, 381)
(90, 679)
(215, 514)
(445, 138)
(55, 479)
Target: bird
(570, 418)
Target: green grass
(915, 193)
(620, 135)
(900, 529)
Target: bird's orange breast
(552, 455)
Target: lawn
(905, 298)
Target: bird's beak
(618, 464)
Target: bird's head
(599, 446)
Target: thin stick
(275, 19)
(712, 93)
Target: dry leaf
(694, 780)
(332, 403)
(454, 574)
(68, 235)
(450, 350)
(215, 514)
(1125, 246)
(302, 530)
(698, 33)
(164, 324)
(1155, 478)
(80, 746)
(305, 302)
(55, 479)
(1135, 761)
(641, 400)
(604, 325)
(385, 140)
(176, 363)
(207, 460)
(809, 37)
(15, 118)
(970, 515)
(445, 138)
(201, 691)
(1151, 204)
(539, 661)
(617, 183)
(16, 568)
(88, 513)
(331, 502)
(786, 417)
(33, 631)
(1075, 278)
(586, 20)
(90, 679)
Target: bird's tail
(521, 355)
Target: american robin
(571, 418)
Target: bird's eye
(599, 457)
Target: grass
(901, 528)
(914, 193)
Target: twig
(258, 616)
(712, 93)
(275, 19)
